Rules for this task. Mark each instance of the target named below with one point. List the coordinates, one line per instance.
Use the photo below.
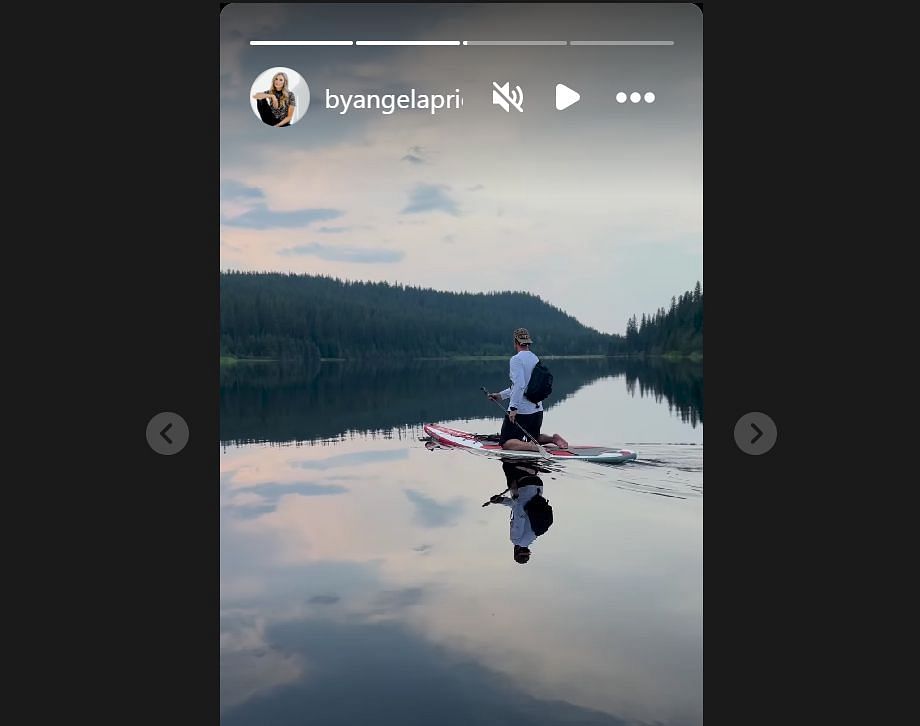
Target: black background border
(146, 556)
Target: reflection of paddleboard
(489, 445)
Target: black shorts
(530, 422)
(266, 114)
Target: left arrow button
(167, 433)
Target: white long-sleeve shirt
(521, 531)
(520, 368)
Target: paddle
(486, 504)
(543, 452)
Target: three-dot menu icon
(635, 97)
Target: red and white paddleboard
(466, 440)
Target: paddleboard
(483, 444)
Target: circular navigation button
(755, 433)
(167, 433)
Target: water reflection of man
(531, 514)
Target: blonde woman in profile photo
(276, 105)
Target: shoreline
(228, 360)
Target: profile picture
(279, 97)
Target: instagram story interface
(461, 367)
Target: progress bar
(460, 42)
(301, 42)
(622, 42)
(514, 42)
(407, 42)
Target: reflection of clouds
(354, 459)
(304, 489)
(245, 499)
(304, 529)
(603, 654)
(398, 599)
(238, 587)
(259, 499)
(386, 663)
(616, 581)
(250, 468)
(295, 521)
(249, 666)
(431, 513)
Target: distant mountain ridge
(283, 315)
(277, 314)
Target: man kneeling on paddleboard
(523, 413)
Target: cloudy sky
(597, 208)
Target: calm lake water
(363, 582)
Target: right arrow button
(764, 433)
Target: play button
(565, 96)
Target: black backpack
(540, 385)
(540, 514)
